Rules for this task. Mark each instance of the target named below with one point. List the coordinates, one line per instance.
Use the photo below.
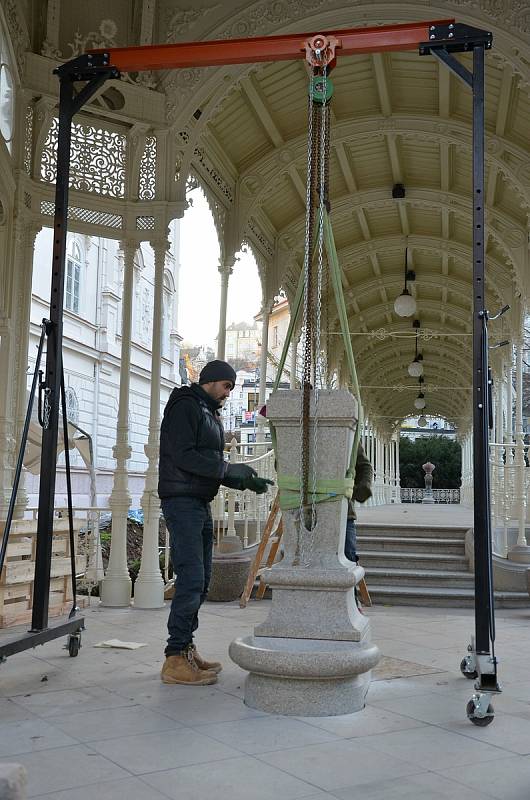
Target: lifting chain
(313, 375)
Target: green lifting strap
(289, 488)
(333, 262)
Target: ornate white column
(14, 358)
(265, 313)
(149, 587)
(226, 271)
(116, 585)
(497, 482)
(521, 551)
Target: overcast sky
(200, 282)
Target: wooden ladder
(256, 568)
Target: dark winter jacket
(191, 445)
(363, 477)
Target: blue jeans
(350, 541)
(190, 526)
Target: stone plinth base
(520, 554)
(229, 575)
(305, 677)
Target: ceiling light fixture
(405, 304)
(415, 368)
(419, 402)
(422, 421)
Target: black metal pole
(53, 364)
(482, 523)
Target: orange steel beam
(267, 48)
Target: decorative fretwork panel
(259, 237)
(85, 215)
(97, 159)
(28, 140)
(147, 176)
(145, 223)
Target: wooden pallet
(16, 579)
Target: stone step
(410, 544)
(383, 576)
(440, 561)
(449, 598)
(411, 531)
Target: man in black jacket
(191, 469)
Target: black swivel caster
(471, 674)
(471, 711)
(74, 643)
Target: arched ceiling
(396, 118)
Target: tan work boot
(182, 668)
(212, 666)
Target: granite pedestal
(313, 654)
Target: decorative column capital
(226, 269)
(160, 245)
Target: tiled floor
(102, 725)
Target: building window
(275, 336)
(72, 287)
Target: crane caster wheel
(480, 721)
(471, 675)
(74, 643)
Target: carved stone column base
(116, 591)
(305, 677)
(520, 554)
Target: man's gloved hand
(361, 492)
(258, 485)
(237, 476)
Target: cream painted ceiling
(396, 118)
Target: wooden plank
(256, 564)
(24, 571)
(364, 594)
(270, 560)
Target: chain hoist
(313, 371)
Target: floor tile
(509, 731)
(242, 778)
(503, 779)
(341, 763)
(429, 746)
(369, 721)
(126, 789)
(28, 736)
(426, 786)
(149, 752)
(262, 734)
(428, 707)
(110, 723)
(55, 703)
(49, 771)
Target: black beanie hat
(217, 371)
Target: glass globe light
(405, 304)
(422, 421)
(419, 402)
(415, 369)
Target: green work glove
(238, 475)
(361, 492)
(258, 485)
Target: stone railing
(413, 495)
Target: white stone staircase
(414, 564)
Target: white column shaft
(149, 587)
(116, 586)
